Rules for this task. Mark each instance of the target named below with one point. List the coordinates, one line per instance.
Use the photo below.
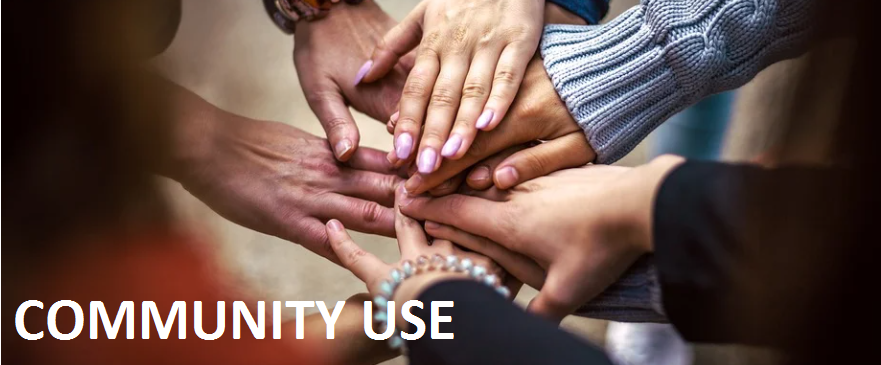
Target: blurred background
(230, 53)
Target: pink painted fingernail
(506, 177)
(363, 71)
(452, 146)
(479, 174)
(403, 145)
(484, 119)
(335, 225)
(427, 160)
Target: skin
(583, 226)
(274, 178)
(537, 114)
(469, 64)
(327, 54)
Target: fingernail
(452, 146)
(431, 225)
(506, 176)
(479, 174)
(363, 71)
(413, 184)
(484, 119)
(342, 147)
(403, 146)
(391, 157)
(335, 225)
(394, 117)
(427, 160)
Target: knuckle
(515, 32)
(371, 211)
(473, 90)
(432, 137)
(354, 256)
(505, 75)
(453, 204)
(335, 124)
(443, 97)
(535, 163)
(415, 88)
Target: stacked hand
(471, 59)
(327, 54)
(584, 226)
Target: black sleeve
(488, 329)
(740, 250)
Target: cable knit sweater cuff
(622, 79)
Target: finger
(574, 280)
(475, 92)
(565, 152)
(358, 214)
(363, 264)
(370, 159)
(337, 121)
(506, 82)
(311, 234)
(442, 109)
(393, 46)
(411, 236)
(514, 263)
(467, 213)
(414, 99)
(368, 185)
(484, 145)
(480, 177)
(448, 187)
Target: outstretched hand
(327, 55)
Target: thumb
(394, 45)
(567, 151)
(338, 123)
(564, 290)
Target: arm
(488, 329)
(733, 243)
(622, 79)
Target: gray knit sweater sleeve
(620, 80)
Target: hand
(537, 114)
(279, 180)
(413, 244)
(327, 54)
(473, 51)
(586, 226)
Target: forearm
(621, 79)
(491, 330)
(734, 245)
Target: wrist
(413, 287)
(647, 181)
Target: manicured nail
(479, 174)
(342, 147)
(394, 117)
(335, 225)
(452, 146)
(506, 177)
(403, 146)
(427, 160)
(484, 119)
(413, 184)
(431, 225)
(363, 71)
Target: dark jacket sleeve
(592, 11)
(741, 250)
(488, 329)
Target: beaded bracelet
(452, 263)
